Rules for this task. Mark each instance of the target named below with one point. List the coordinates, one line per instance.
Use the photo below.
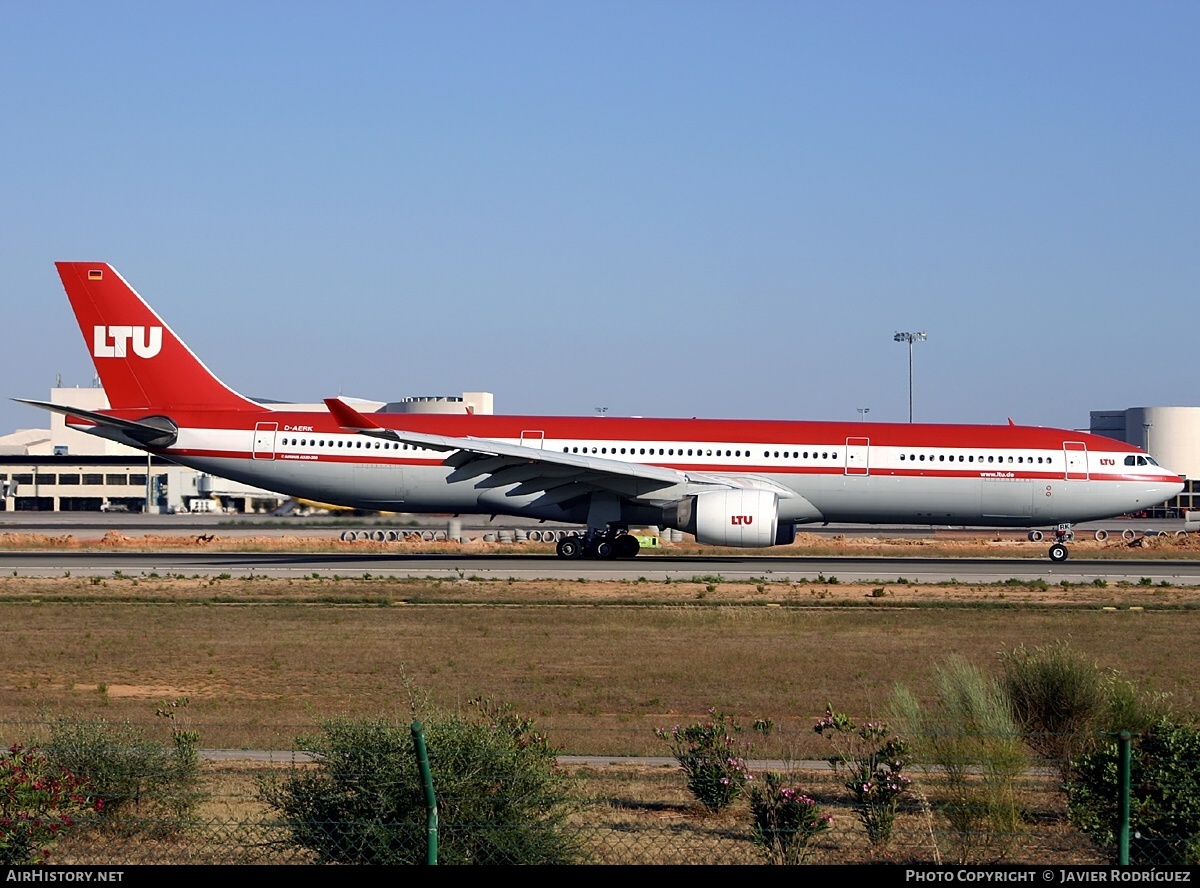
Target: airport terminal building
(63, 470)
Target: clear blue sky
(665, 208)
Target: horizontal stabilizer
(154, 431)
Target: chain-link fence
(623, 814)
(244, 808)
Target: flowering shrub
(37, 802)
(711, 757)
(873, 759)
(785, 821)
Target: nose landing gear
(1063, 534)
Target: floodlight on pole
(1146, 427)
(910, 338)
(862, 413)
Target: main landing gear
(599, 544)
(1063, 534)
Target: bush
(38, 802)
(785, 822)
(971, 734)
(711, 757)
(130, 774)
(874, 760)
(1064, 702)
(501, 798)
(1164, 807)
(1060, 700)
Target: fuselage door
(264, 440)
(858, 456)
(1076, 453)
(535, 438)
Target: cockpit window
(1131, 460)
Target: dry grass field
(598, 664)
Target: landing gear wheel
(1058, 553)
(603, 549)
(626, 546)
(569, 547)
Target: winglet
(349, 418)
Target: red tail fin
(141, 362)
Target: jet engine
(742, 518)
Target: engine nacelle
(743, 518)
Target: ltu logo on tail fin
(112, 342)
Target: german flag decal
(95, 274)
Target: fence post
(1123, 768)
(431, 812)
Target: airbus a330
(737, 483)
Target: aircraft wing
(559, 476)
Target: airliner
(737, 483)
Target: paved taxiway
(528, 567)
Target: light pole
(910, 338)
(1146, 427)
(862, 413)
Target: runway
(649, 567)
